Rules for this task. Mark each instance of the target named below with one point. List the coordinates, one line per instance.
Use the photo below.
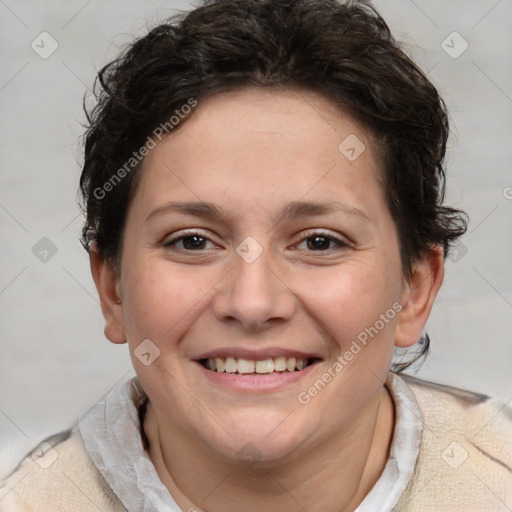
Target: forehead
(263, 145)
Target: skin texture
(251, 152)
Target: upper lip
(257, 354)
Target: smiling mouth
(239, 366)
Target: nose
(253, 296)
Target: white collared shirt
(111, 433)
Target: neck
(336, 474)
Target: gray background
(55, 361)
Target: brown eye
(319, 243)
(189, 242)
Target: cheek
(354, 309)
(164, 299)
(348, 300)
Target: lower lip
(256, 383)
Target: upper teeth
(278, 364)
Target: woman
(263, 184)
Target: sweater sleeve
(58, 475)
(465, 458)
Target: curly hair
(344, 51)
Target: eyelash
(341, 244)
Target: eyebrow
(294, 210)
(298, 209)
(196, 208)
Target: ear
(418, 297)
(106, 281)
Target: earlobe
(418, 297)
(106, 281)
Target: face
(257, 243)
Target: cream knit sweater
(464, 463)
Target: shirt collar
(112, 437)
(403, 452)
(111, 434)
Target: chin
(264, 444)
